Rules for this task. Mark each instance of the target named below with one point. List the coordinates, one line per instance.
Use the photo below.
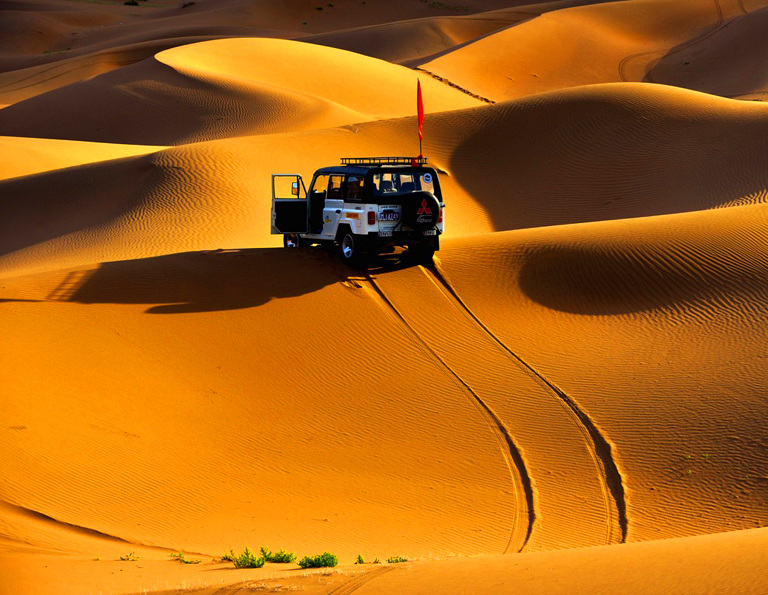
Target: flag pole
(420, 114)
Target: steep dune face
(737, 47)
(608, 152)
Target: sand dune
(600, 43)
(571, 399)
(596, 153)
(26, 156)
(201, 91)
(615, 293)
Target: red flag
(419, 108)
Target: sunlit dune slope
(654, 329)
(549, 363)
(226, 88)
(609, 42)
(601, 152)
(187, 413)
(25, 156)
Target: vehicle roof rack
(383, 160)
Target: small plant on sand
(248, 560)
(281, 557)
(376, 561)
(360, 559)
(396, 560)
(326, 559)
(180, 557)
(132, 557)
(228, 556)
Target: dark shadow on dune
(578, 158)
(594, 283)
(205, 281)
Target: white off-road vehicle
(363, 207)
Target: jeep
(363, 207)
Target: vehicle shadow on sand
(204, 281)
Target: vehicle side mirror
(295, 188)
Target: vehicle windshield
(394, 183)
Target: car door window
(321, 184)
(334, 187)
(355, 188)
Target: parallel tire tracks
(601, 445)
(512, 454)
(608, 480)
(353, 585)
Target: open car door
(289, 204)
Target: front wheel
(292, 240)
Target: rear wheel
(423, 252)
(352, 248)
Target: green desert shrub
(281, 557)
(248, 560)
(326, 559)
(396, 560)
(229, 556)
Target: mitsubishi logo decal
(424, 210)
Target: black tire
(352, 248)
(422, 252)
(421, 210)
(293, 240)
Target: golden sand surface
(571, 399)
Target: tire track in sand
(602, 447)
(574, 490)
(353, 585)
(512, 456)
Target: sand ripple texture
(582, 367)
(657, 321)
